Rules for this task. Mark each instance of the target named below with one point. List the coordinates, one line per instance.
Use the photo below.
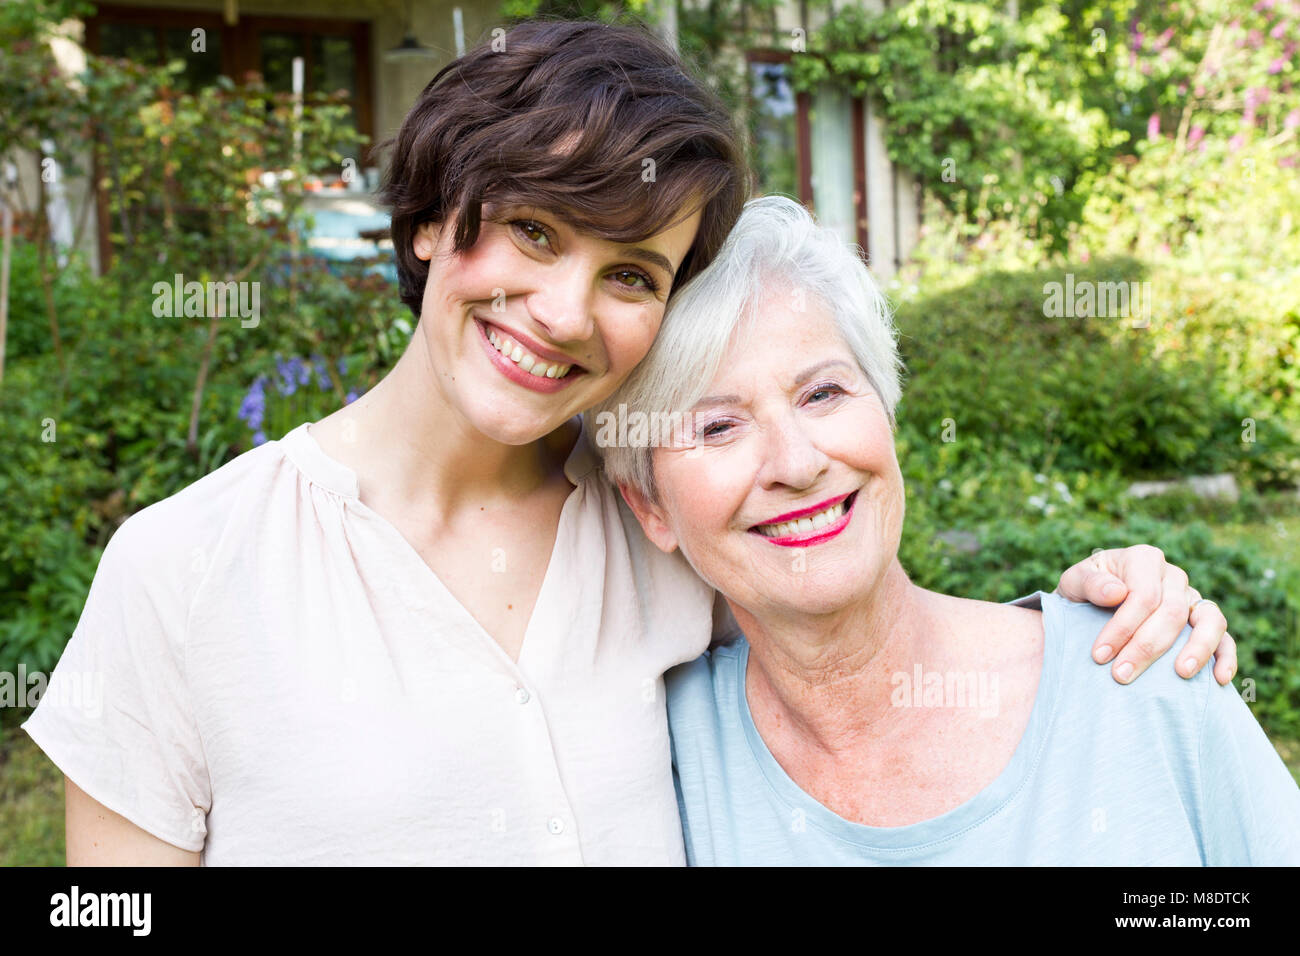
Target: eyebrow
(652, 257)
(811, 372)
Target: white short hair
(776, 241)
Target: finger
(1208, 628)
(1142, 569)
(1092, 581)
(1225, 660)
(1158, 632)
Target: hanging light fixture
(410, 48)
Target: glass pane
(773, 122)
(128, 41)
(831, 119)
(278, 51)
(333, 66)
(203, 65)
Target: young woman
(424, 629)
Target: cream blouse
(265, 670)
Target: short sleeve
(1250, 800)
(116, 716)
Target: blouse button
(522, 696)
(555, 825)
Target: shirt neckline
(311, 459)
(953, 823)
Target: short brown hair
(564, 117)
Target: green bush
(1002, 383)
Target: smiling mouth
(527, 360)
(809, 528)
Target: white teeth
(815, 522)
(525, 359)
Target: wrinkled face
(792, 498)
(538, 320)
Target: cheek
(628, 332)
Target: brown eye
(532, 231)
(631, 279)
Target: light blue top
(1165, 771)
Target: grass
(31, 798)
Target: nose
(562, 303)
(790, 455)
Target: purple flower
(293, 372)
(253, 407)
(322, 373)
(343, 366)
(259, 439)
(350, 397)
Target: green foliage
(1000, 380)
(972, 104)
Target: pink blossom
(1254, 38)
(1278, 31)
(1200, 89)
(1292, 119)
(1288, 161)
(1276, 66)
(1153, 126)
(1264, 5)
(1236, 143)
(1195, 136)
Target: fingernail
(1102, 654)
(1125, 672)
(1112, 590)
(1188, 666)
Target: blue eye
(827, 390)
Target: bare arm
(97, 836)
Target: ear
(653, 519)
(425, 240)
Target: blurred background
(1086, 213)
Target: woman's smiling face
(539, 320)
(792, 497)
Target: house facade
(824, 148)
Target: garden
(1078, 145)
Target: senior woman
(861, 719)
(421, 630)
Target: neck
(826, 678)
(415, 447)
